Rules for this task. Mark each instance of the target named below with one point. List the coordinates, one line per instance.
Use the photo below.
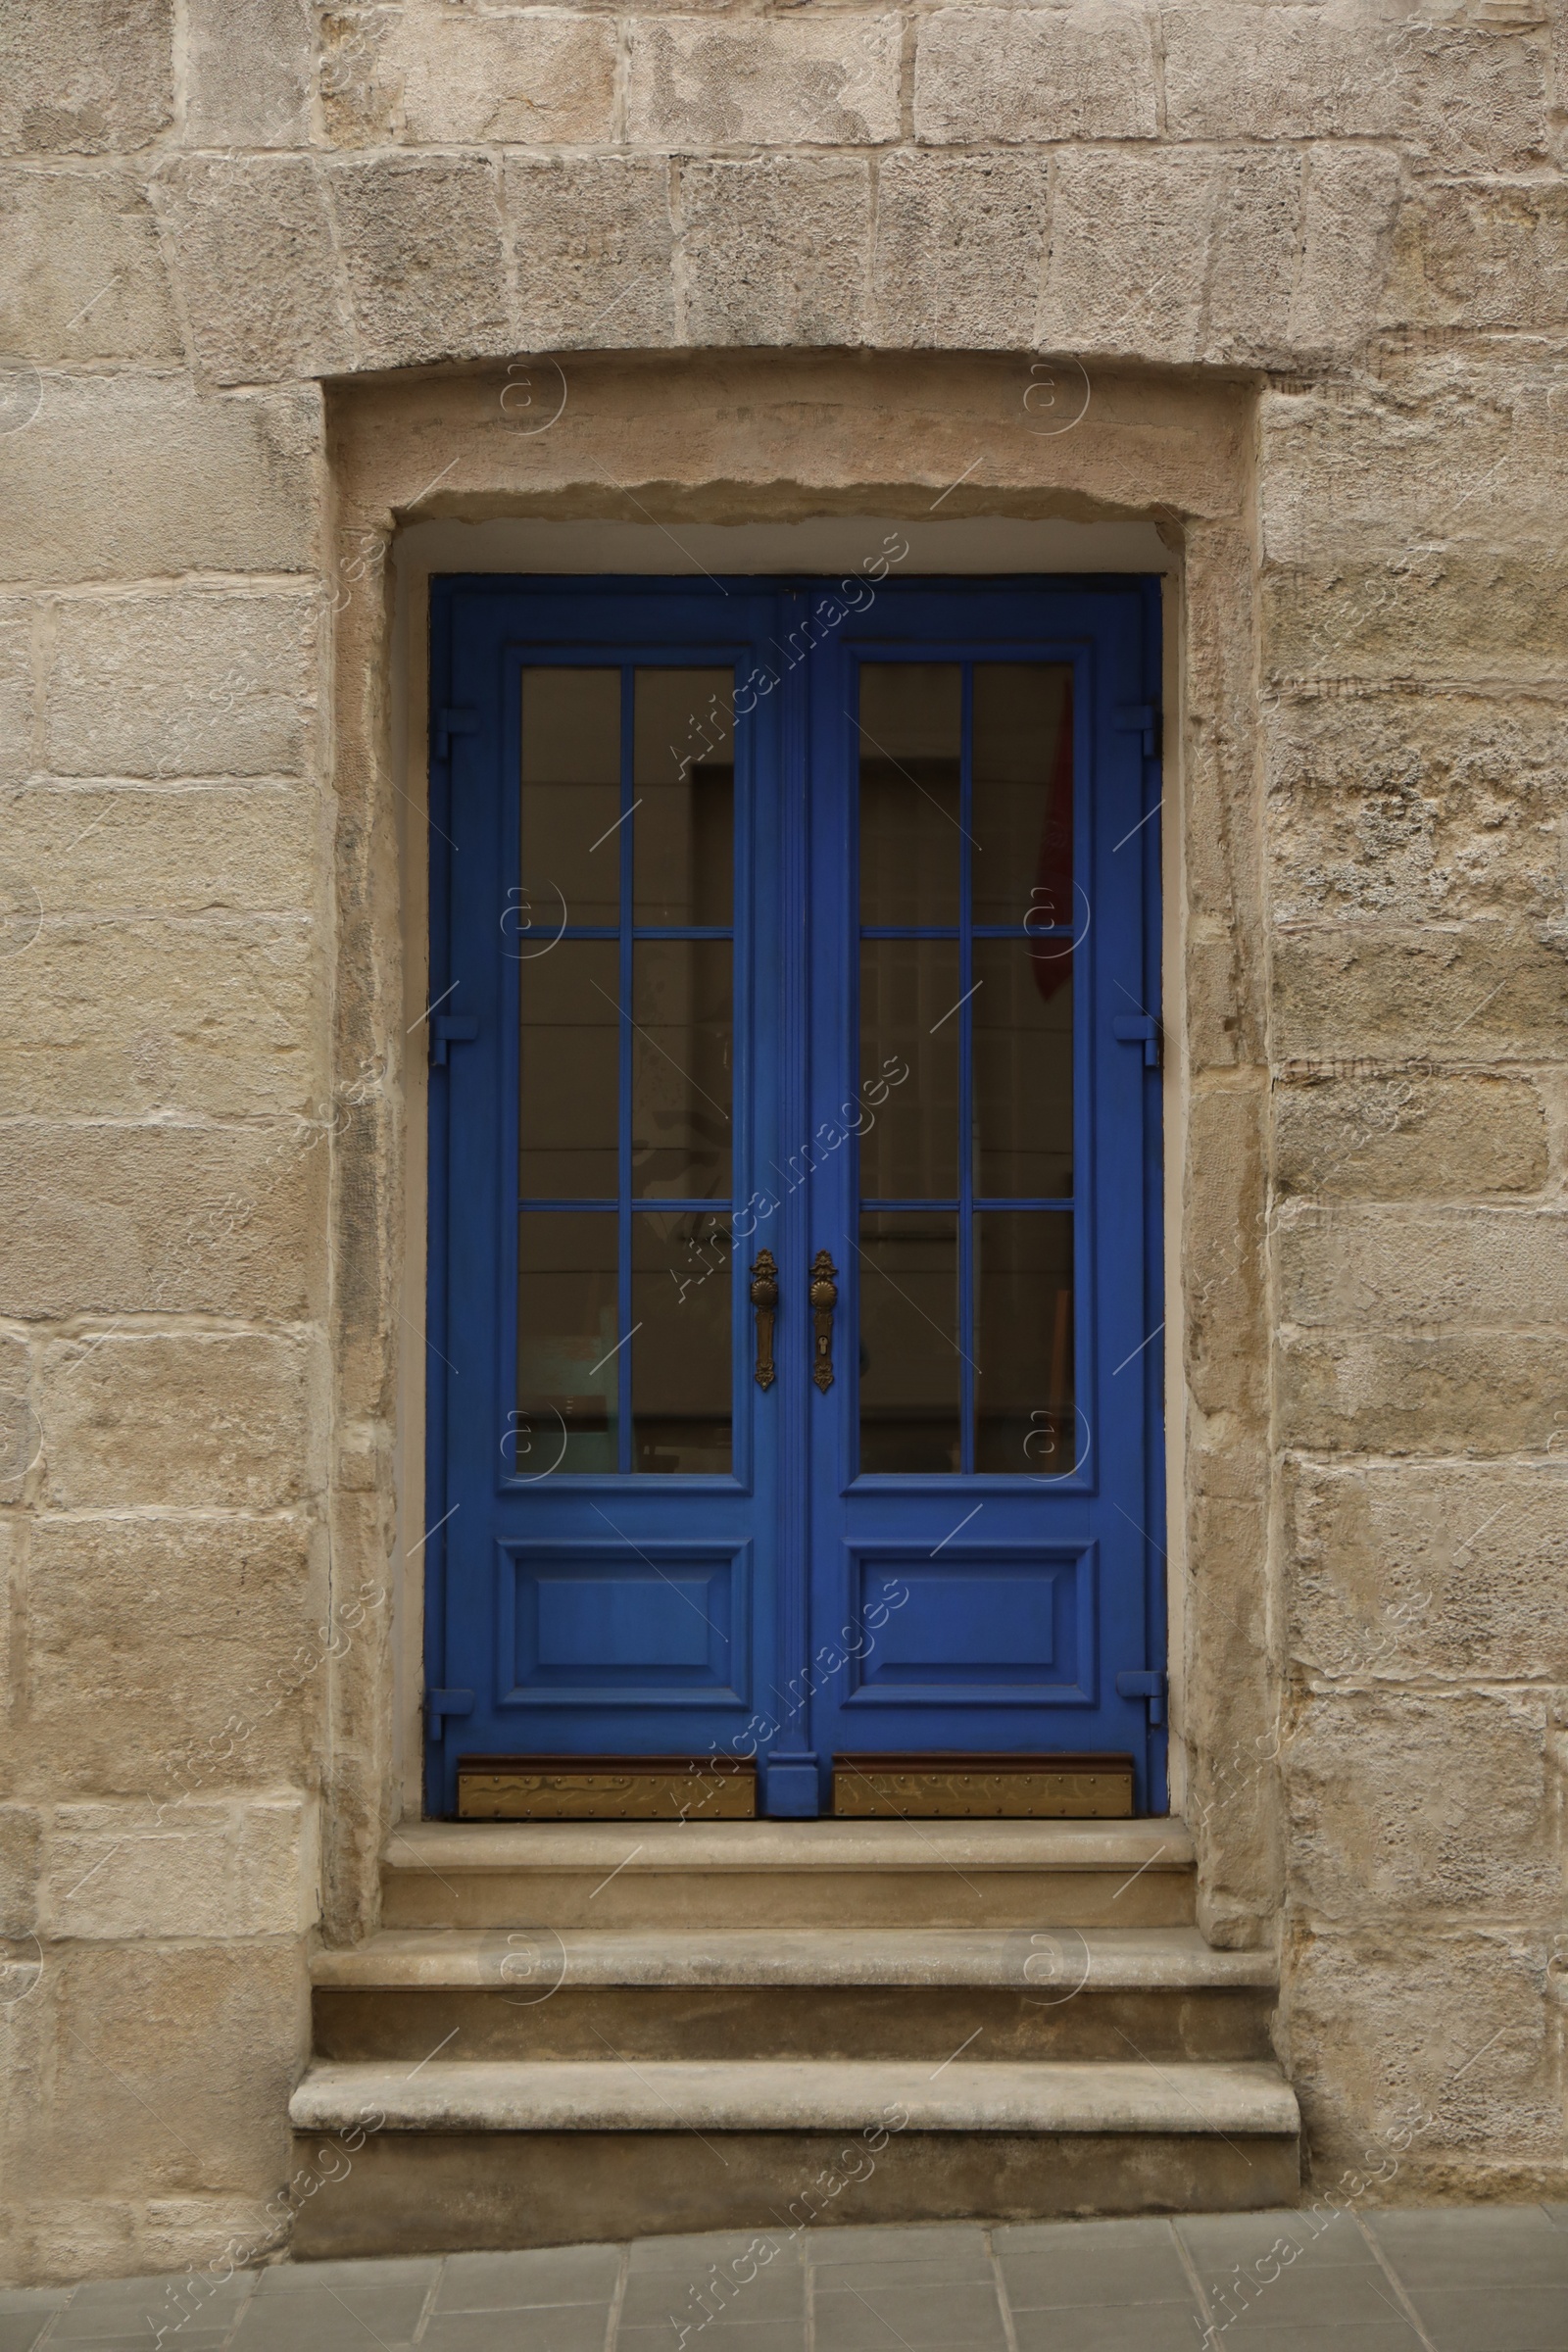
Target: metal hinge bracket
(1144, 1682)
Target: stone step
(792, 1993)
(449, 2154)
(782, 1874)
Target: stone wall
(1316, 261)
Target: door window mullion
(623, 1453)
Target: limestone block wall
(1313, 255)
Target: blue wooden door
(799, 936)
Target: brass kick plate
(605, 1788)
(1087, 1788)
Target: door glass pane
(568, 1120)
(910, 1017)
(680, 1349)
(566, 1354)
(1024, 1418)
(570, 797)
(684, 772)
(911, 718)
(1022, 793)
(907, 1288)
(681, 1070)
(1022, 1010)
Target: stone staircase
(608, 2030)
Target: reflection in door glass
(565, 1341)
(625, 1071)
(1024, 1396)
(910, 1389)
(681, 1342)
(967, 904)
(570, 798)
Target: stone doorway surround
(662, 463)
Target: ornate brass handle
(764, 1298)
(824, 1297)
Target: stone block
(250, 245)
(191, 1870)
(1423, 1395)
(959, 246)
(435, 75)
(1412, 805)
(85, 279)
(1480, 1268)
(184, 849)
(116, 1016)
(1481, 992)
(421, 245)
(777, 251)
(1441, 1572)
(112, 1219)
(1466, 96)
(170, 1658)
(1176, 255)
(817, 79)
(21, 1433)
(595, 251)
(1081, 71)
(1423, 2061)
(20, 1848)
(1488, 252)
(167, 2067)
(198, 682)
(1443, 455)
(85, 76)
(209, 1420)
(133, 477)
(1448, 614)
(1350, 198)
(17, 729)
(1406, 1805)
(1408, 1138)
(1225, 1268)
(249, 72)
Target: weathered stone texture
(1409, 1137)
(171, 1656)
(809, 80)
(198, 683)
(595, 248)
(1476, 992)
(1415, 1806)
(1438, 1572)
(189, 1869)
(1083, 72)
(141, 476)
(1433, 1393)
(959, 246)
(1481, 252)
(251, 248)
(431, 76)
(1468, 96)
(185, 849)
(84, 277)
(1497, 1268)
(421, 239)
(250, 73)
(84, 76)
(777, 251)
(204, 1420)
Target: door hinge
(450, 722)
(1138, 1029)
(1140, 718)
(451, 1029)
(1144, 1682)
(439, 1704)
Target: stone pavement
(1470, 2279)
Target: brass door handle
(764, 1298)
(824, 1297)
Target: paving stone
(1465, 2247)
(513, 2281)
(1494, 2318)
(1110, 2328)
(558, 2328)
(886, 2310)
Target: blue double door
(794, 1309)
